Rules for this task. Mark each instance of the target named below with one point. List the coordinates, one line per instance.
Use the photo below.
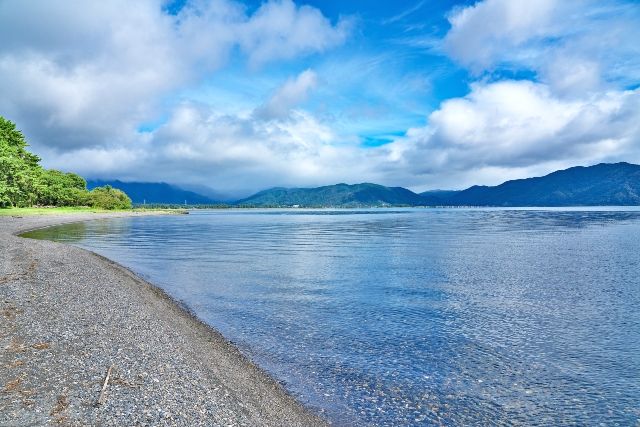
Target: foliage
(19, 169)
(156, 193)
(109, 198)
(24, 183)
(62, 189)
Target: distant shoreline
(238, 208)
(71, 316)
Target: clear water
(414, 316)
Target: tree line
(25, 183)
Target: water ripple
(412, 316)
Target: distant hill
(339, 195)
(437, 197)
(152, 192)
(599, 185)
(605, 184)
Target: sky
(238, 96)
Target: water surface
(411, 316)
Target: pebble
(168, 367)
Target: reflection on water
(413, 316)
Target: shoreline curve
(69, 316)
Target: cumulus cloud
(199, 145)
(72, 79)
(522, 124)
(488, 31)
(282, 30)
(576, 46)
(78, 74)
(499, 131)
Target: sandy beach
(69, 318)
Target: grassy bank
(71, 210)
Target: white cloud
(577, 109)
(281, 30)
(78, 74)
(575, 47)
(71, 78)
(521, 124)
(486, 32)
(405, 13)
(497, 132)
(569, 75)
(236, 153)
(289, 95)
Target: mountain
(342, 195)
(218, 196)
(437, 197)
(443, 194)
(152, 192)
(605, 184)
(600, 185)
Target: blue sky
(239, 96)
(377, 84)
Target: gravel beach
(69, 317)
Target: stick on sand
(104, 387)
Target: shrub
(109, 198)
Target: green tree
(19, 169)
(108, 197)
(62, 189)
(24, 183)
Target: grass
(71, 210)
(45, 211)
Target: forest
(25, 183)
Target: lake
(411, 316)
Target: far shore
(87, 342)
(75, 210)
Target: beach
(87, 342)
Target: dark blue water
(411, 317)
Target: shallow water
(411, 316)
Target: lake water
(411, 316)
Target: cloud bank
(520, 124)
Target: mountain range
(605, 184)
(154, 192)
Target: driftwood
(104, 387)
